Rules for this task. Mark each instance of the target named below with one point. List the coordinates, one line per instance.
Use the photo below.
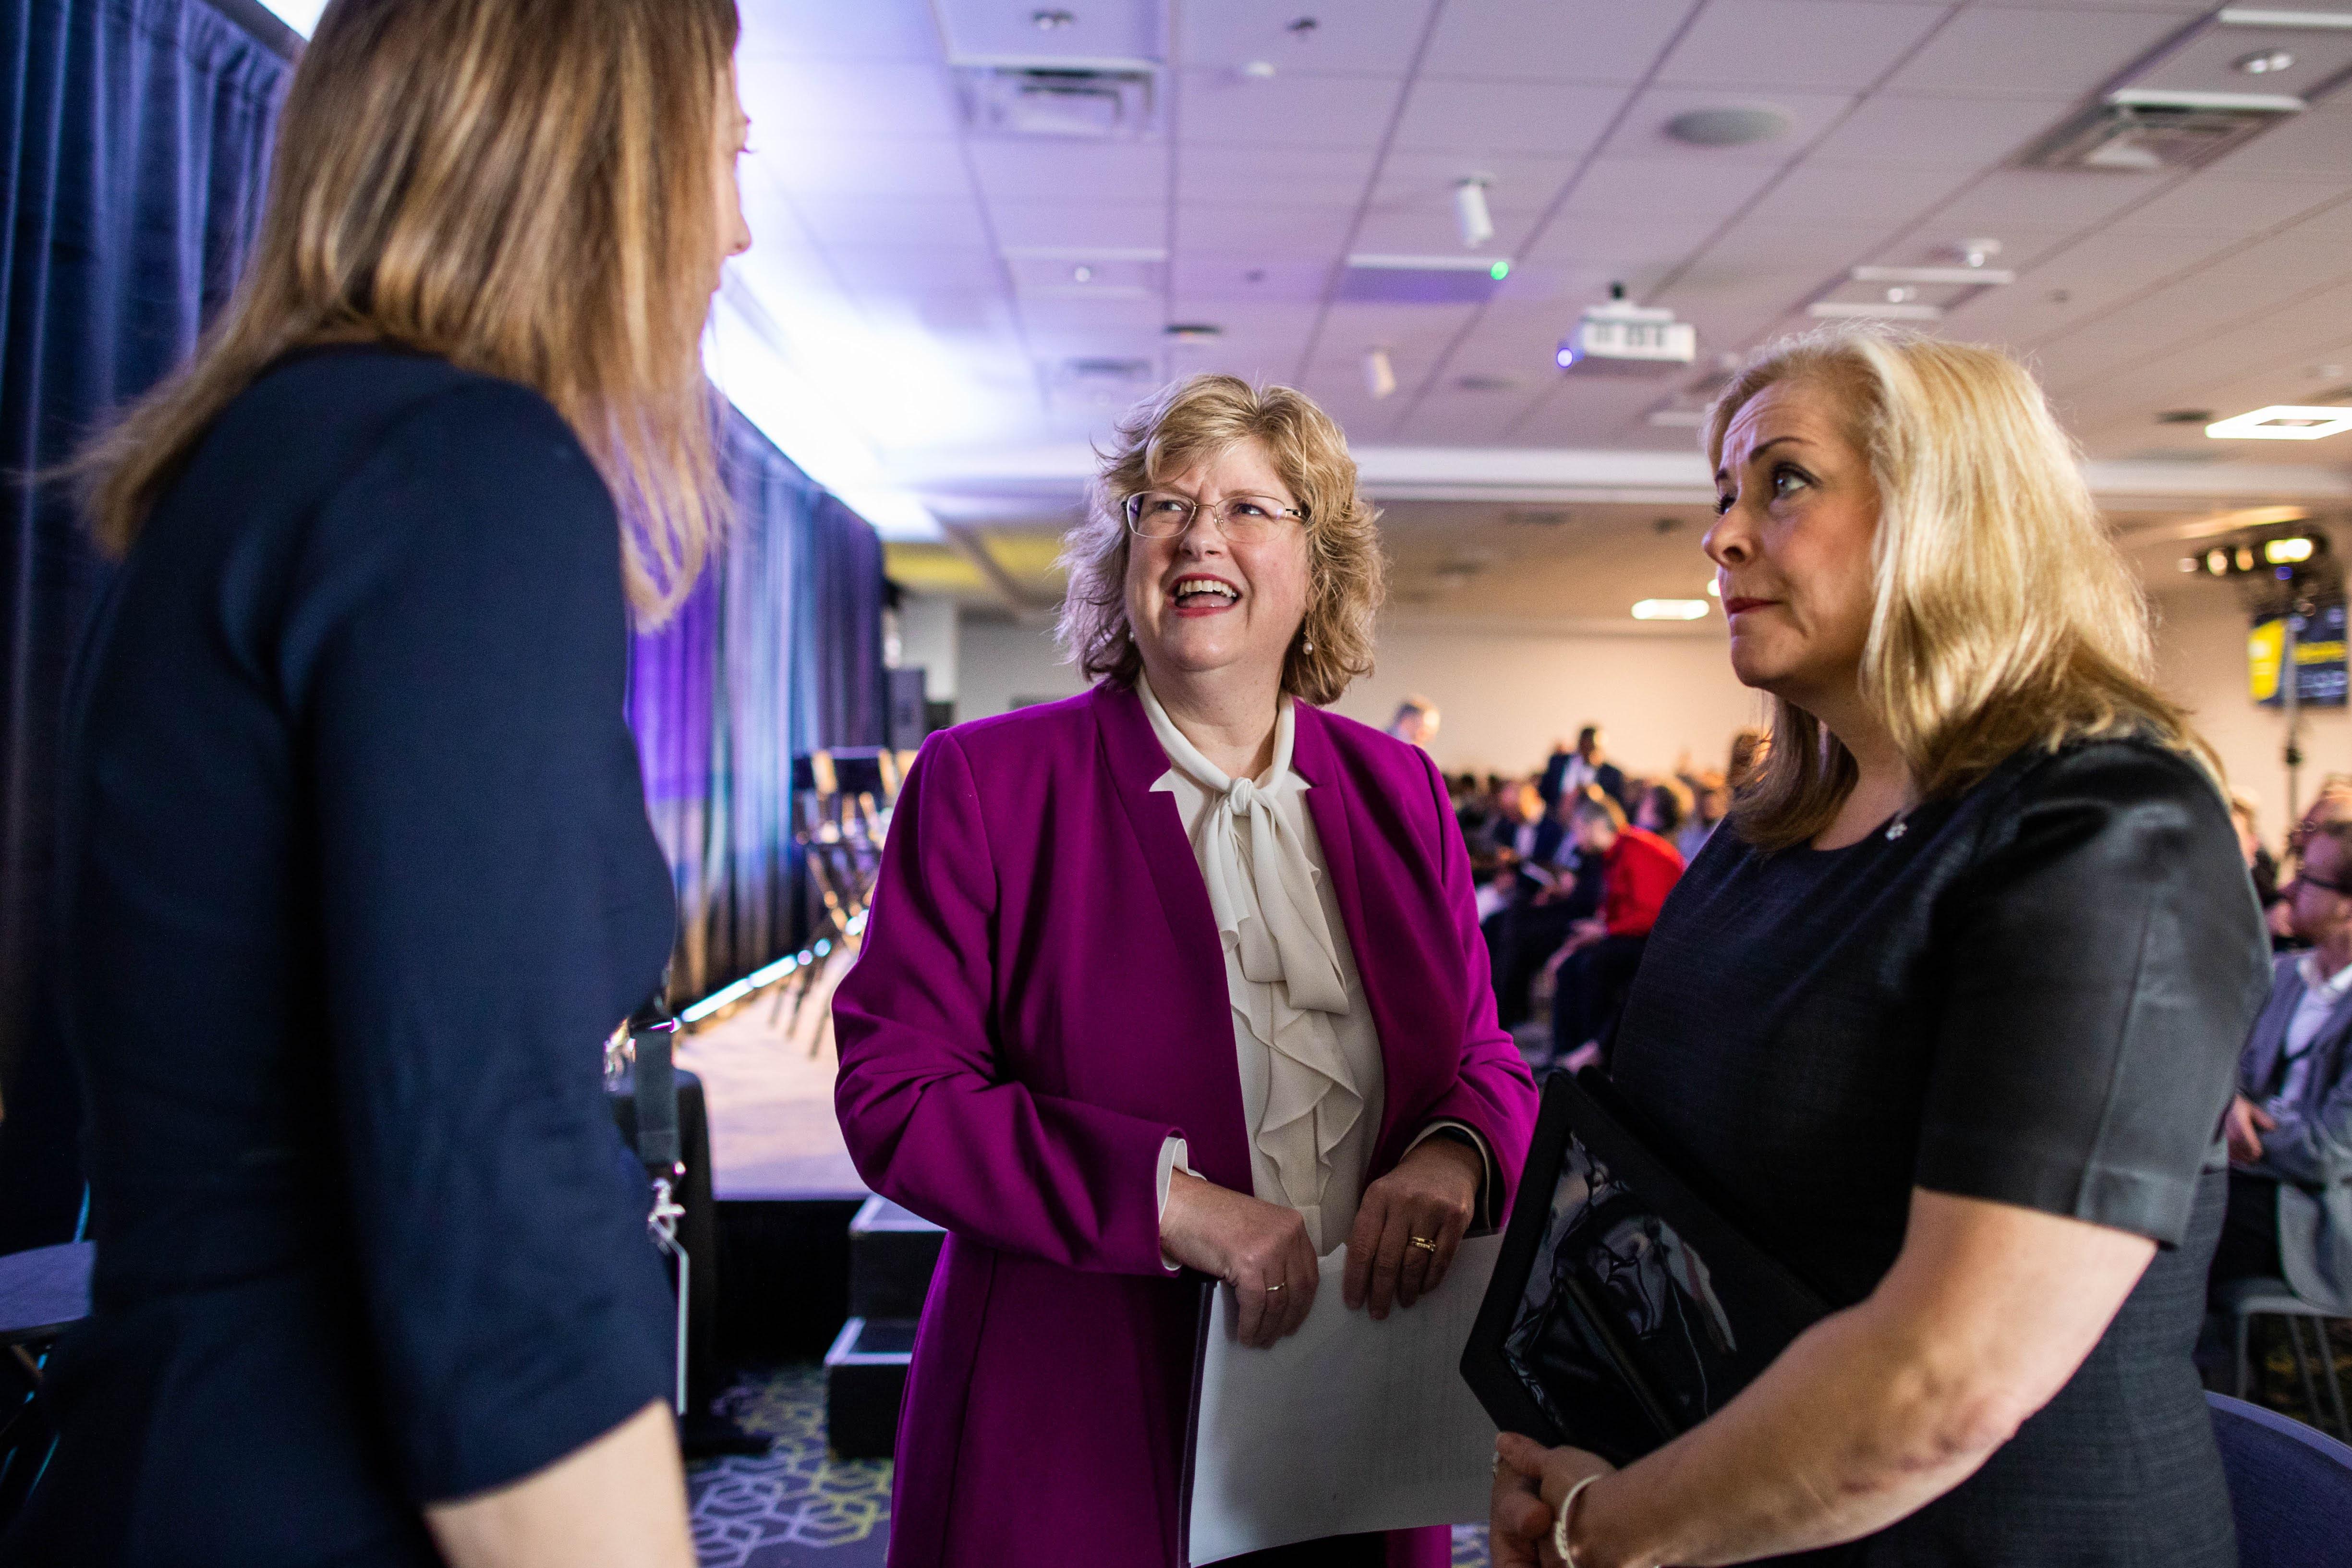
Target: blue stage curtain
(778, 651)
(140, 134)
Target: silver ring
(1272, 1288)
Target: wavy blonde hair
(522, 187)
(1196, 418)
(2005, 617)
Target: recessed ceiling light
(1670, 610)
(1192, 332)
(2264, 62)
(1053, 21)
(1713, 589)
(1731, 127)
(2185, 416)
(2281, 422)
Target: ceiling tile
(1080, 226)
(1627, 245)
(2048, 198)
(2011, 53)
(1740, 44)
(1442, 113)
(1270, 229)
(1377, 36)
(1126, 172)
(1514, 182)
(835, 221)
(1896, 133)
(1428, 227)
(1670, 192)
(916, 267)
(795, 99)
(828, 30)
(1243, 275)
(860, 166)
(1242, 170)
(1858, 197)
(1554, 41)
(1297, 112)
(2314, 145)
(2210, 204)
(1643, 132)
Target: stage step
(865, 1380)
(891, 1255)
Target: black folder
(1626, 1308)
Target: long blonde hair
(523, 187)
(2004, 615)
(1195, 418)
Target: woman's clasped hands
(1264, 1252)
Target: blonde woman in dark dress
(1953, 1006)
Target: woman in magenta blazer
(1182, 976)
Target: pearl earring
(1308, 647)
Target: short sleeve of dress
(2104, 959)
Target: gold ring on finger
(1272, 1288)
(1423, 1243)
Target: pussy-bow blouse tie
(1282, 965)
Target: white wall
(2201, 664)
(1001, 665)
(1505, 695)
(928, 641)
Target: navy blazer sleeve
(458, 651)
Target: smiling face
(1797, 515)
(1201, 603)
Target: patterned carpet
(801, 1508)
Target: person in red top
(1595, 966)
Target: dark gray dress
(2034, 993)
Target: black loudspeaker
(909, 714)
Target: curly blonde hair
(1196, 418)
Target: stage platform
(773, 1138)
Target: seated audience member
(1664, 805)
(1572, 773)
(1748, 748)
(1638, 869)
(1415, 723)
(1553, 885)
(2262, 867)
(2290, 1124)
(1710, 804)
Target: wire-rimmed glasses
(1164, 514)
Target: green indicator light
(1500, 270)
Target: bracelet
(1568, 1512)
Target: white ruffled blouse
(1313, 1083)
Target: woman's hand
(1429, 1197)
(1531, 1481)
(1259, 1249)
(2243, 1125)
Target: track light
(1470, 211)
(1379, 377)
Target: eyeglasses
(1164, 514)
(2306, 879)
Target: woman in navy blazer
(358, 873)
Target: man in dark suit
(2290, 1125)
(1568, 775)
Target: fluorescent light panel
(1670, 610)
(2283, 422)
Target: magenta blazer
(1040, 1002)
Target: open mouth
(1203, 593)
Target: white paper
(1349, 1425)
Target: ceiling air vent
(1062, 103)
(2136, 130)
